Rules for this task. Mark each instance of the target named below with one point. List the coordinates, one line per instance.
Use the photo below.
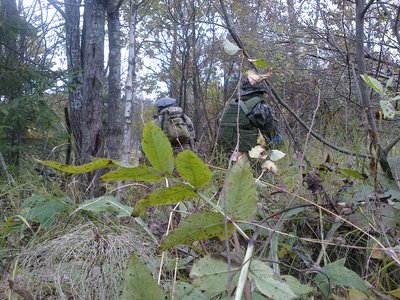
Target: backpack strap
(162, 121)
(248, 113)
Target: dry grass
(85, 263)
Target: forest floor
(326, 225)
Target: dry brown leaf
(256, 78)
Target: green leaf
(138, 282)
(260, 63)
(140, 173)
(229, 47)
(106, 204)
(395, 293)
(157, 148)
(192, 168)
(353, 173)
(43, 210)
(94, 165)
(297, 287)
(373, 83)
(338, 274)
(198, 226)
(186, 291)
(389, 82)
(210, 274)
(241, 191)
(269, 283)
(169, 195)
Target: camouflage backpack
(174, 125)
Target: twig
(275, 95)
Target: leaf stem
(245, 270)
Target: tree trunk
(130, 86)
(361, 9)
(114, 86)
(92, 144)
(10, 17)
(73, 51)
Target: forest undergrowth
(315, 224)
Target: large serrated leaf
(157, 148)
(193, 169)
(297, 287)
(241, 191)
(198, 226)
(338, 274)
(94, 165)
(268, 282)
(169, 195)
(185, 291)
(106, 204)
(40, 209)
(138, 282)
(140, 173)
(210, 274)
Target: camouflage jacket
(254, 114)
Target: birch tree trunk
(130, 86)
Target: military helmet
(165, 102)
(247, 88)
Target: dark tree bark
(73, 51)
(10, 17)
(90, 122)
(114, 137)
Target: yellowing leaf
(259, 63)
(192, 168)
(198, 226)
(269, 166)
(229, 47)
(276, 155)
(98, 163)
(256, 78)
(169, 195)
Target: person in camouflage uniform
(168, 105)
(254, 115)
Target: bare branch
(275, 95)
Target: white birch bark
(130, 87)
